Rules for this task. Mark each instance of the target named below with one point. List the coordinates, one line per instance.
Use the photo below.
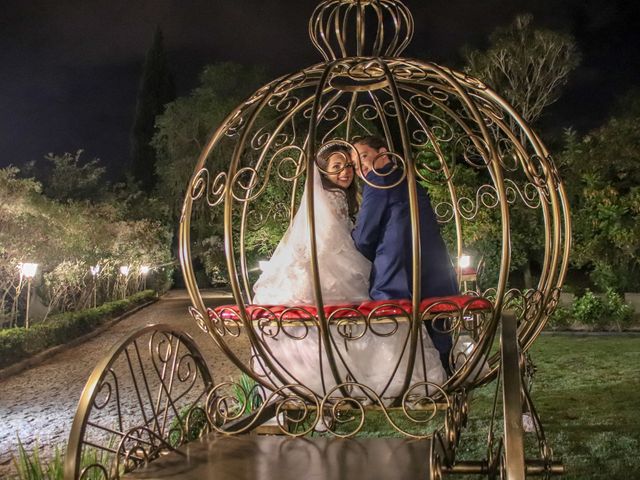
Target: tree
(156, 90)
(65, 238)
(187, 123)
(182, 132)
(527, 66)
(66, 178)
(604, 193)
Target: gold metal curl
(328, 406)
(199, 318)
(453, 319)
(247, 178)
(345, 323)
(186, 368)
(268, 326)
(218, 405)
(389, 318)
(214, 190)
(162, 348)
(284, 413)
(88, 472)
(399, 163)
(367, 111)
(99, 405)
(412, 397)
(536, 169)
(225, 326)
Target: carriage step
(285, 458)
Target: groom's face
(367, 158)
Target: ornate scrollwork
(224, 321)
(138, 403)
(229, 401)
(213, 191)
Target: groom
(383, 235)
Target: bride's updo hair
(322, 159)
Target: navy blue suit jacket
(383, 235)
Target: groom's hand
(366, 159)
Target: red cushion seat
(380, 308)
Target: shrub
(602, 312)
(18, 343)
(590, 310)
(619, 312)
(561, 318)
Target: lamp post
(144, 271)
(124, 271)
(467, 273)
(28, 270)
(95, 270)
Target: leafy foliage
(603, 183)
(482, 236)
(65, 239)
(67, 177)
(596, 312)
(181, 134)
(527, 66)
(29, 465)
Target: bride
(368, 356)
(344, 271)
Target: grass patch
(586, 393)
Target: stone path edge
(50, 352)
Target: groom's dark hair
(372, 141)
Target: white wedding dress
(372, 358)
(344, 272)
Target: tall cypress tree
(155, 91)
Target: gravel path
(39, 403)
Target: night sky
(70, 69)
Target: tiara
(333, 144)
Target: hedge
(17, 344)
(594, 312)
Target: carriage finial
(361, 28)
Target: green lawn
(587, 392)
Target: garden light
(95, 270)
(144, 270)
(464, 261)
(28, 270)
(124, 270)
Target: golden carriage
(446, 131)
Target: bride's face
(340, 169)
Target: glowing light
(144, 269)
(28, 269)
(124, 270)
(465, 261)
(95, 270)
